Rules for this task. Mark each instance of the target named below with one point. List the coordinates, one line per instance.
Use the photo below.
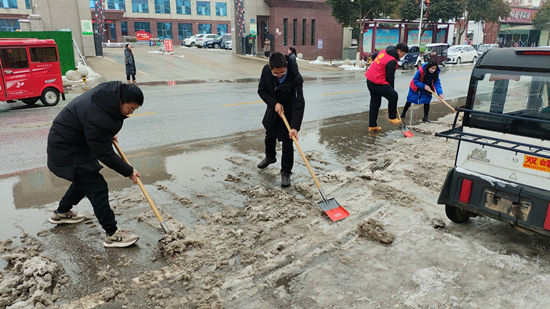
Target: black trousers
(287, 159)
(133, 77)
(93, 186)
(376, 94)
(426, 109)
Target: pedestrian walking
(281, 88)
(267, 47)
(380, 82)
(81, 135)
(130, 63)
(292, 58)
(425, 79)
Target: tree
(542, 19)
(437, 11)
(348, 12)
(486, 11)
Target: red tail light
(466, 191)
(547, 220)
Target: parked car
(204, 38)
(192, 40)
(217, 42)
(411, 58)
(229, 45)
(461, 53)
(485, 47)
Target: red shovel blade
(338, 213)
(407, 133)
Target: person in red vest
(380, 82)
(425, 79)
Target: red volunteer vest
(413, 86)
(377, 69)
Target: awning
(517, 30)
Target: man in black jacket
(81, 135)
(380, 82)
(281, 89)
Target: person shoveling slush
(281, 89)
(80, 136)
(426, 79)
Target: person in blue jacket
(426, 78)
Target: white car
(461, 53)
(191, 40)
(205, 37)
(229, 45)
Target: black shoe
(425, 119)
(265, 162)
(285, 179)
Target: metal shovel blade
(333, 209)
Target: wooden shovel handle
(443, 101)
(302, 153)
(140, 184)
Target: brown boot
(134, 81)
(128, 81)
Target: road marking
(244, 103)
(332, 93)
(144, 114)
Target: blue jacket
(417, 94)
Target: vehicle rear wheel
(30, 101)
(458, 61)
(216, 46)
(457, 215)
(443, 63)
(50, 97)
(406, 65)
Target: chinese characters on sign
(168, 46)
(520, 15)
(536, 163)
(143, 35)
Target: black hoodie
(82, 133)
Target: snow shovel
(443, 101)
(403, 128)
(140, 184)
(329, 206)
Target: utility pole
(420, 23)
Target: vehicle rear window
(43, 54)
(14, 58)
(520, 94)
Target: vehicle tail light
(547, 220)
(466, 191)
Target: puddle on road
(184, 181)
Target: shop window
(183, 7)
(116, 5)
(164, 30)
(221, 9)
(205, 28)
(222, 29)
(185, 30)
(203, 8)
(313, 32)
(304, 31)
(124, 27)
(145, 26)
(140, 6)
(9, 24)
(294, 26)
(162, 6)
(285, 26)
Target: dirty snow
(397, 249)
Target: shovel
(140, 184)
(329, 206)
(443, 101)
(403, 128)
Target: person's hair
(402, 47)
(277, 60)
(130, 50)
(293, 50)
(427, 74)
(131, 94)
